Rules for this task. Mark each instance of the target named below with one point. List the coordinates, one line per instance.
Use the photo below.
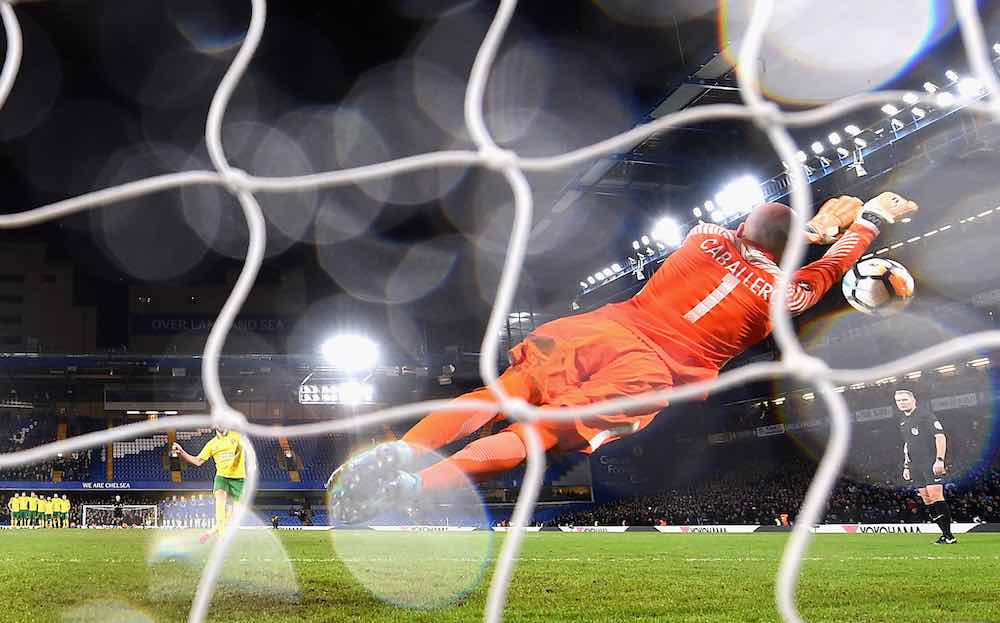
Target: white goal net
(124, 516)
(244, 186)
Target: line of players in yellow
(28, 510)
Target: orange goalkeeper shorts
(582, 360)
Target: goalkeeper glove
(833, 219)
(885, 208)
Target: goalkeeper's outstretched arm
(811, 282)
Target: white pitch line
(594, 560)
(845, 558)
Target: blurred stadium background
(103, 315)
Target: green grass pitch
(65, 576)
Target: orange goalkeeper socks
(480, 460)
(441, 428)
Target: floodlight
(834, 138)
(911, 98)
(996, 48)
(945, 99)
(817, 148)
(709, 206)
(635, 245)
(853, 130)
(667, 231)
(591, 280)
(616, 267)
(696, 212)
(740, 196)
(951, 75)
(645, 240)
(583, 284)
(860, 142)
(969, 87)
(930, 87)
(890, 110)
(918, 112)
(353, 353)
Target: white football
(878, 286)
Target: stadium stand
(318, 456)
(26, 430)
(268, 456)
(759, 493)
(141, 459)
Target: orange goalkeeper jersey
(709, 300)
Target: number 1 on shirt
(705, 305)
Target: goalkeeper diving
(708, 302)
(226, 449)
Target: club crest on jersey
(915, 430)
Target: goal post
(133, 515)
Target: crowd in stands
(19, 431)
(756, 489)
(73, 467)
(759, 496)
(754, 496)
(28, 429)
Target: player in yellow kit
(226, 449)
(14, 506)
(48, 508)
(64, 514)
(56, 503)
(33, 509)
(21, 516)
(21, 501)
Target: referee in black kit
(924, 447)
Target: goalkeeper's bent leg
(441, 428)
(482, 459)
